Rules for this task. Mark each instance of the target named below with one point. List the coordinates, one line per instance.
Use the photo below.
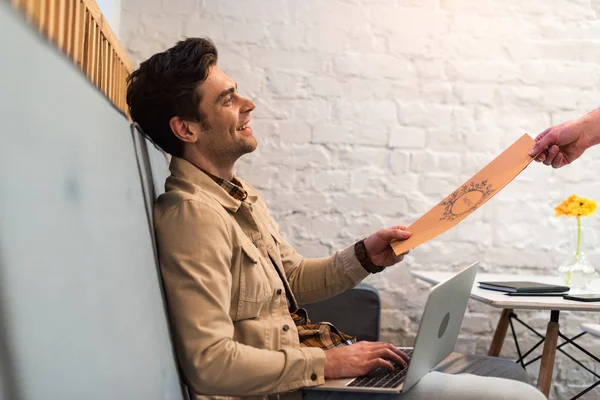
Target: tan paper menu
(470, 196)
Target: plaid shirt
(323, 334)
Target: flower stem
(577, 252)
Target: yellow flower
(575, 207)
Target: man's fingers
(551, 153)
(377, 346)
(400, 353)
(537, 148)
(394, 233)
(541, 135)
(541, 157)
(543, 140)
(390, 355)
(376, 363)
(373, 346)
(558, 161)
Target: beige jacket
(233, 332)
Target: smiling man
(233, 283)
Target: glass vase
(577, 271)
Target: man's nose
(248, 106)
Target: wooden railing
(78, 28)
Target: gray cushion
(355, 312)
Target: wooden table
(509, 303)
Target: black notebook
(523, 287)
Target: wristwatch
(361, 253)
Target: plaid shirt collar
(233, 187)
(183, 169)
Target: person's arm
(562, 144)
(196, 252)
(316, 279)
(313, 279)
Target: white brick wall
(371, 111)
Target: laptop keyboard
(383, 378)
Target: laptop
(436, 338)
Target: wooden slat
(121, 80)
(101, 57)
(28, 7)
(56, 33)
(100, 63)
(125, 74)
(108, 33)
(115, 75)
(51, 20)
(92, 46)
(122, 85)
(80, 34)
(61, 34)
(85, 42)
(69, 27)
(78, 28)
(87, 49)
(43, 16)
(98, 50)
(111, 74)
(106, 66)
(117, 88)
(31, 9)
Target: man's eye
(228, 101)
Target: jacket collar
(184, 169)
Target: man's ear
(186, 131)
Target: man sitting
(233, 283)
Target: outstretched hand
(562, 144)
(378, 246)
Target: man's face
(226, 134)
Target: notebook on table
(523, 287)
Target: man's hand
(360, 358)
(378, 245)
(562, 144)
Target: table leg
(500, 333)
(547, 363)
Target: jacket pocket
(255, 290)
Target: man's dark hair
(165, 86)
